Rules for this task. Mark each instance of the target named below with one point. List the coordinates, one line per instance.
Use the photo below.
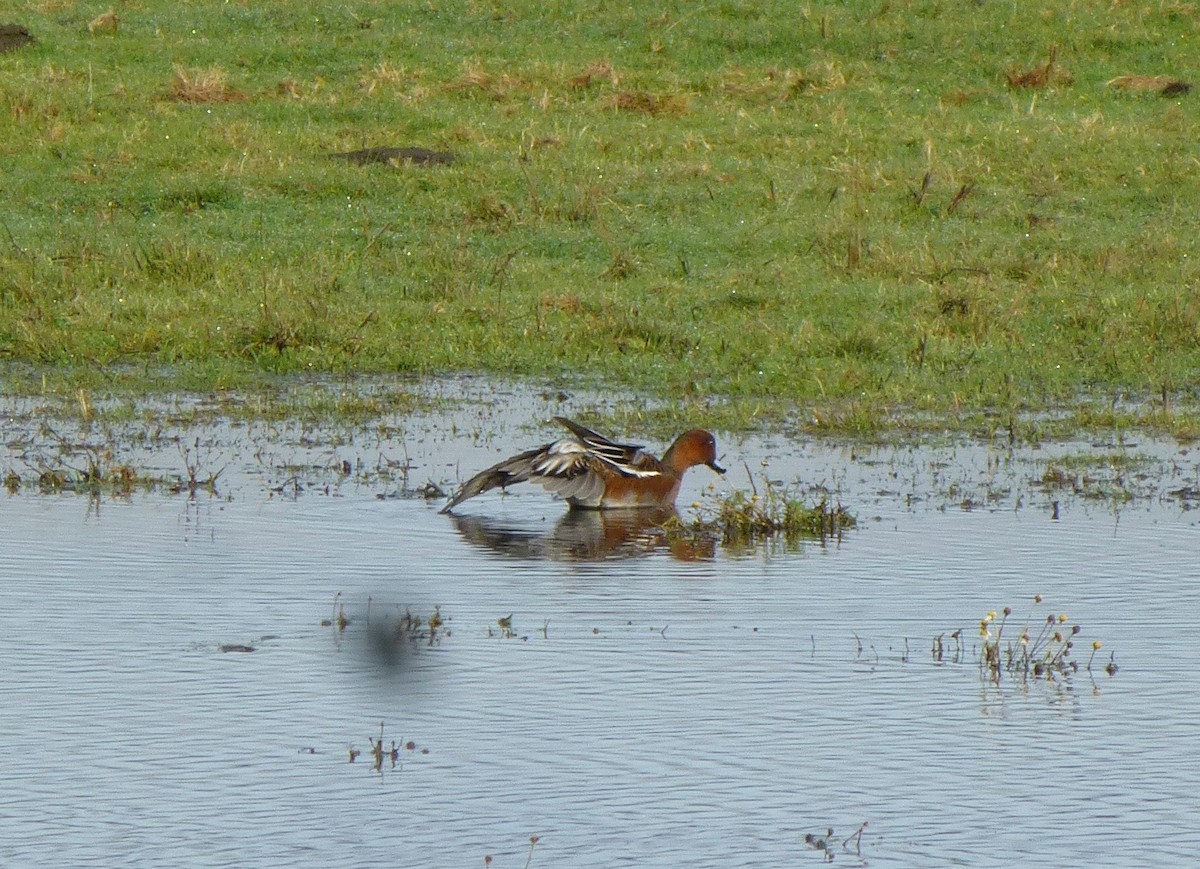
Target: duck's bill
(716, 467)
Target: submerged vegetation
(881, 215)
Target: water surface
(652, 707)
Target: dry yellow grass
(1167, 85)
(203, 86)
(1039, 76)
(288, 88)
(105, 22)
(475, 78)
(384, 74)
(648, 103)
(599, 70)
(780, 84)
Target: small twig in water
(750, 477)
(857, 837)
(533, 840)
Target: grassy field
(913, 211)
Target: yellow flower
(1096, 645)
(1062, 617)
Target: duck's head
(695, 447)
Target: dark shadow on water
(586, 535)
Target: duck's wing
(567, 467)
(629, 460)
(514, 470)
(572, 468)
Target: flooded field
(189, 664)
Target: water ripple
(646, 711)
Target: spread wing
(629, 460)
(573, 468)
(514, 470)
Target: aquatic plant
(939, 652)
(505, 624)
(746, 517)
(533, 843)
(198, 478)
(90, 467)
(1046, 654)
(391, 637)
(380, 752)
(1111, 477)
(97, 463)
(339, 617)
(414, 629)
(825, 842)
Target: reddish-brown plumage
(591, 471)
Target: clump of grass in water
(380, 752)
(392, 634)
(414, 629)
(746, 517)
(1046, 655)
(102, 472)
(505, 625)
(339, 614)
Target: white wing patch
(631, 470)
(569, 457)
(563, 458)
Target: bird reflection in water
(587, 535)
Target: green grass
(843, 208)
(742, 520)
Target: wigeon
(590, 471)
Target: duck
(591, 472)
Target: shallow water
(653, 707)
